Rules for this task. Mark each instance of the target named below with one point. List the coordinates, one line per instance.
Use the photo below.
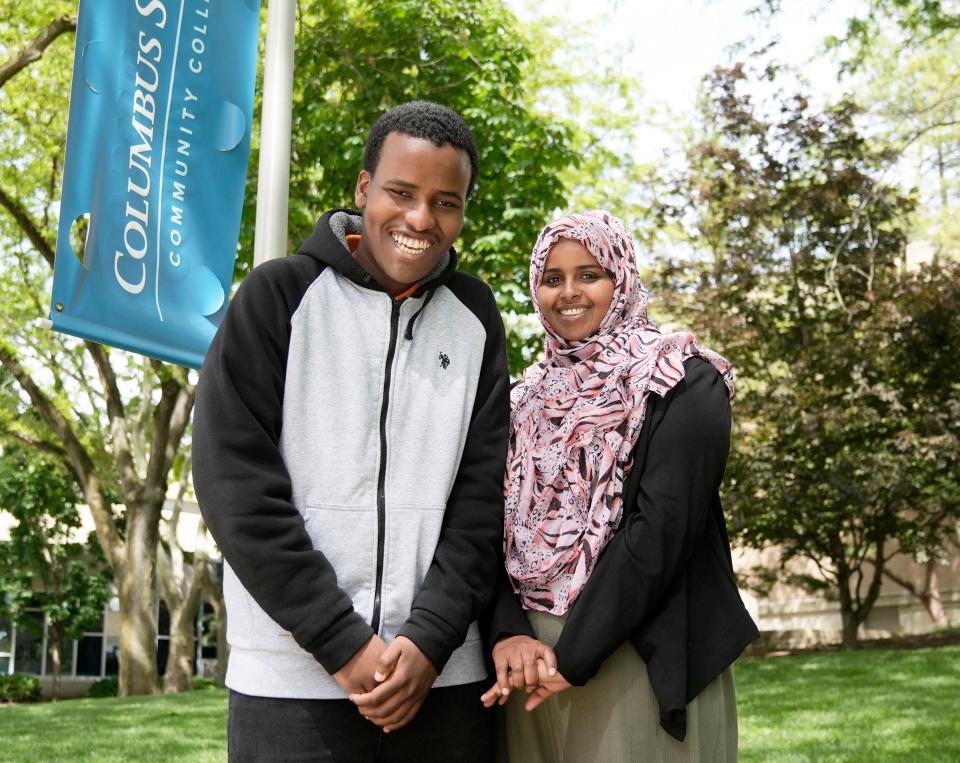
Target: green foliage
(45, 562)
(19, 688)
(34, 106)
(910, 89)
(604, 108)
(796, 275)
(105, 687)
(916, 22)
(111, 419)
(200, 683)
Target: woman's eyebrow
(579, 267)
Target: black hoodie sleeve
(241, 481)
(463, 574)
(685, 461)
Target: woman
(618, 610)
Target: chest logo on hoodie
(444, 361)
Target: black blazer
(665, 580)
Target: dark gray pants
(452, 725)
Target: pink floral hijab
(576, 417)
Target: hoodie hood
(328, 244)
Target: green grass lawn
(872, 705)
(179, 727)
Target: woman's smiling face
(574, 292)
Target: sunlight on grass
(861, 706)
(867, 706)
(175, 727)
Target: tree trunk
(931, 599)
(182, 587)
(929, 595)
(223, 648)
(56, 639)
(850, 628)
(183, 617)
(848, 616)
(179, 673)
(214, 590)
(138, 606)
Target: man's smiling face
(412, 206)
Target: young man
(349, 443)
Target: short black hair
(427, 120)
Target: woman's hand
(518, 661)
(549, 684)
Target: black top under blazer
(665, 579)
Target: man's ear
(360, 194)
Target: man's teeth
(411, 245)
(573, 311)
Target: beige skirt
(615, 717)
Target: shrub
(105, 687)
(200, 682)
(19, 688)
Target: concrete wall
(790, 617)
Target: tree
(923, 327)
(914, 104)
(795, 273)
(916, 22)
(902, 55)
(45, 563)
(114, 422)
(186, 577)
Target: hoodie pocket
(347, 537)
(248, 626)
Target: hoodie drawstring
(426, 301)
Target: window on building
(6, 643)
(67, 647)
(111, 662)
(28, 649)
(89, 660)
(90, 655)
(163, 654)
(207, 630)
(163, 637)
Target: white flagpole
(273, 176)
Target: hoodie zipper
(382, 477)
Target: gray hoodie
(348, 459)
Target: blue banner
(161, 108)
